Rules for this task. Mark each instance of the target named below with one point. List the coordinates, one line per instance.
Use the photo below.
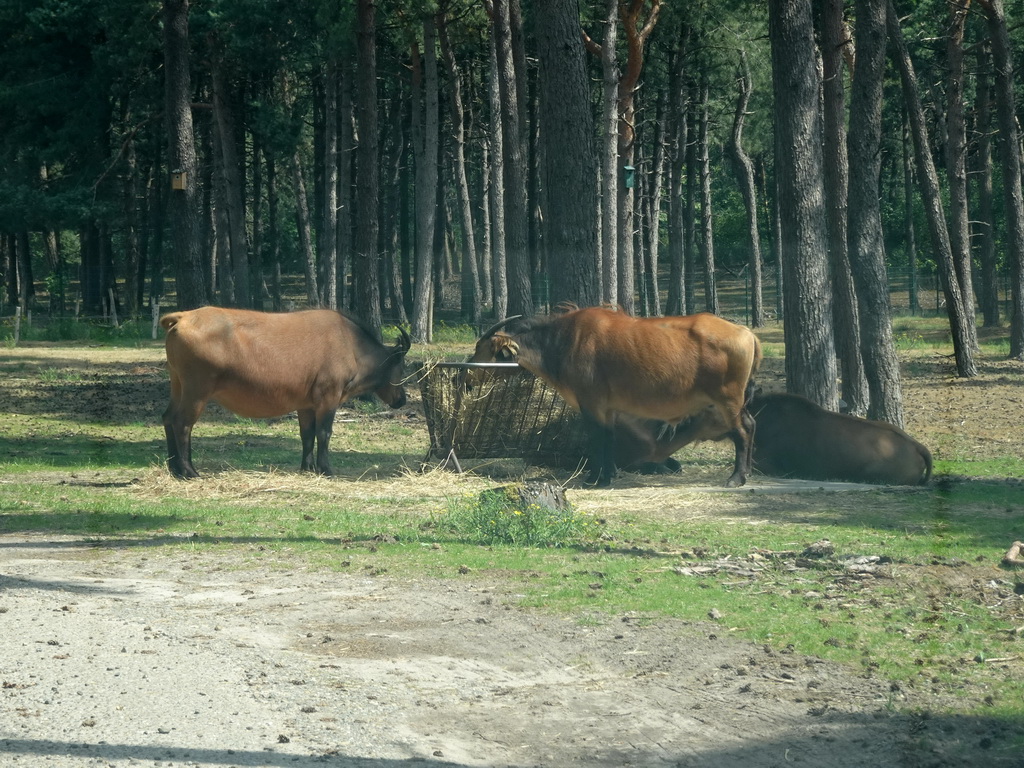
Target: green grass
(933, 619)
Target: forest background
(462, 161)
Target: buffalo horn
(404, 342)
(497, 326)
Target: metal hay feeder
(498, 410)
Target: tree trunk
(929, 181)
(835, 38)
(520, 298)
(707, 239)
(984, 219)
(568, 156)
(748, 189)
(425, 141)
(499, 265)
(676, 304)
(810, 350)
(866, 242)
(328, 231)
(913, 280)
(234, 186)
(346, 200)
(1009, 152)
(366, 255)
(956, 166)
(471, 304)
(610, 156)
(305, 231)
(651, 250)
(183, 205)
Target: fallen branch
(1013, 558)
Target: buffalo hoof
(736, 481)
(183, 473)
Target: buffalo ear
(504, 348)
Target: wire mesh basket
(498, 410)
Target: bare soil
(119, 655)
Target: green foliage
(493, 518)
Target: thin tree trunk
(346, 200)
(928, 179)
(835, 38)
(520, 299)
(499, 266)
(676, 304)
(610, 156)
(707, 240)
(984, 219)
(234, 186)
(810, 349)
(1009, 152)
(305, 231)
(471, 305)
(366, 255)
(913, 279)
(328, 231)
(866, 242)
(956, 165)
(748, 189)
(183, 205)
(425, 141)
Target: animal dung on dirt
(263, 365)
(665, 369)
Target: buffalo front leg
(324, 429)
(743, 438)
(307, 431)
(602, 452)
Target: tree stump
(530, 493)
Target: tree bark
(835, 39)
(366, 255)
(928, 180)
(913, 280)
(748, 190)
(510, 89)
(676, 303)
(425, 140)
(183, 205)
(328, 232)
(305, 231)
(471, 299)
(234, 186)
(984, 219)
(568, 156)
(610, 156)
(866, 242)
(1009, 152)
(956, 165)
(707, 231)
(810, 350)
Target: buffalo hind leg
(178, 430)
(307, 432)
(743, 438)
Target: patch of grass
(493, 518)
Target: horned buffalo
(263, 365)
(796, 437)
(668, 369)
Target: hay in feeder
(498, 410)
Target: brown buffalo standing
(668, 369)
(261, 365)
(798, 438)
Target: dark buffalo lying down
(263, 365)
(794, 437)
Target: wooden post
(113, 307)
(156, 318)
(17, 324)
